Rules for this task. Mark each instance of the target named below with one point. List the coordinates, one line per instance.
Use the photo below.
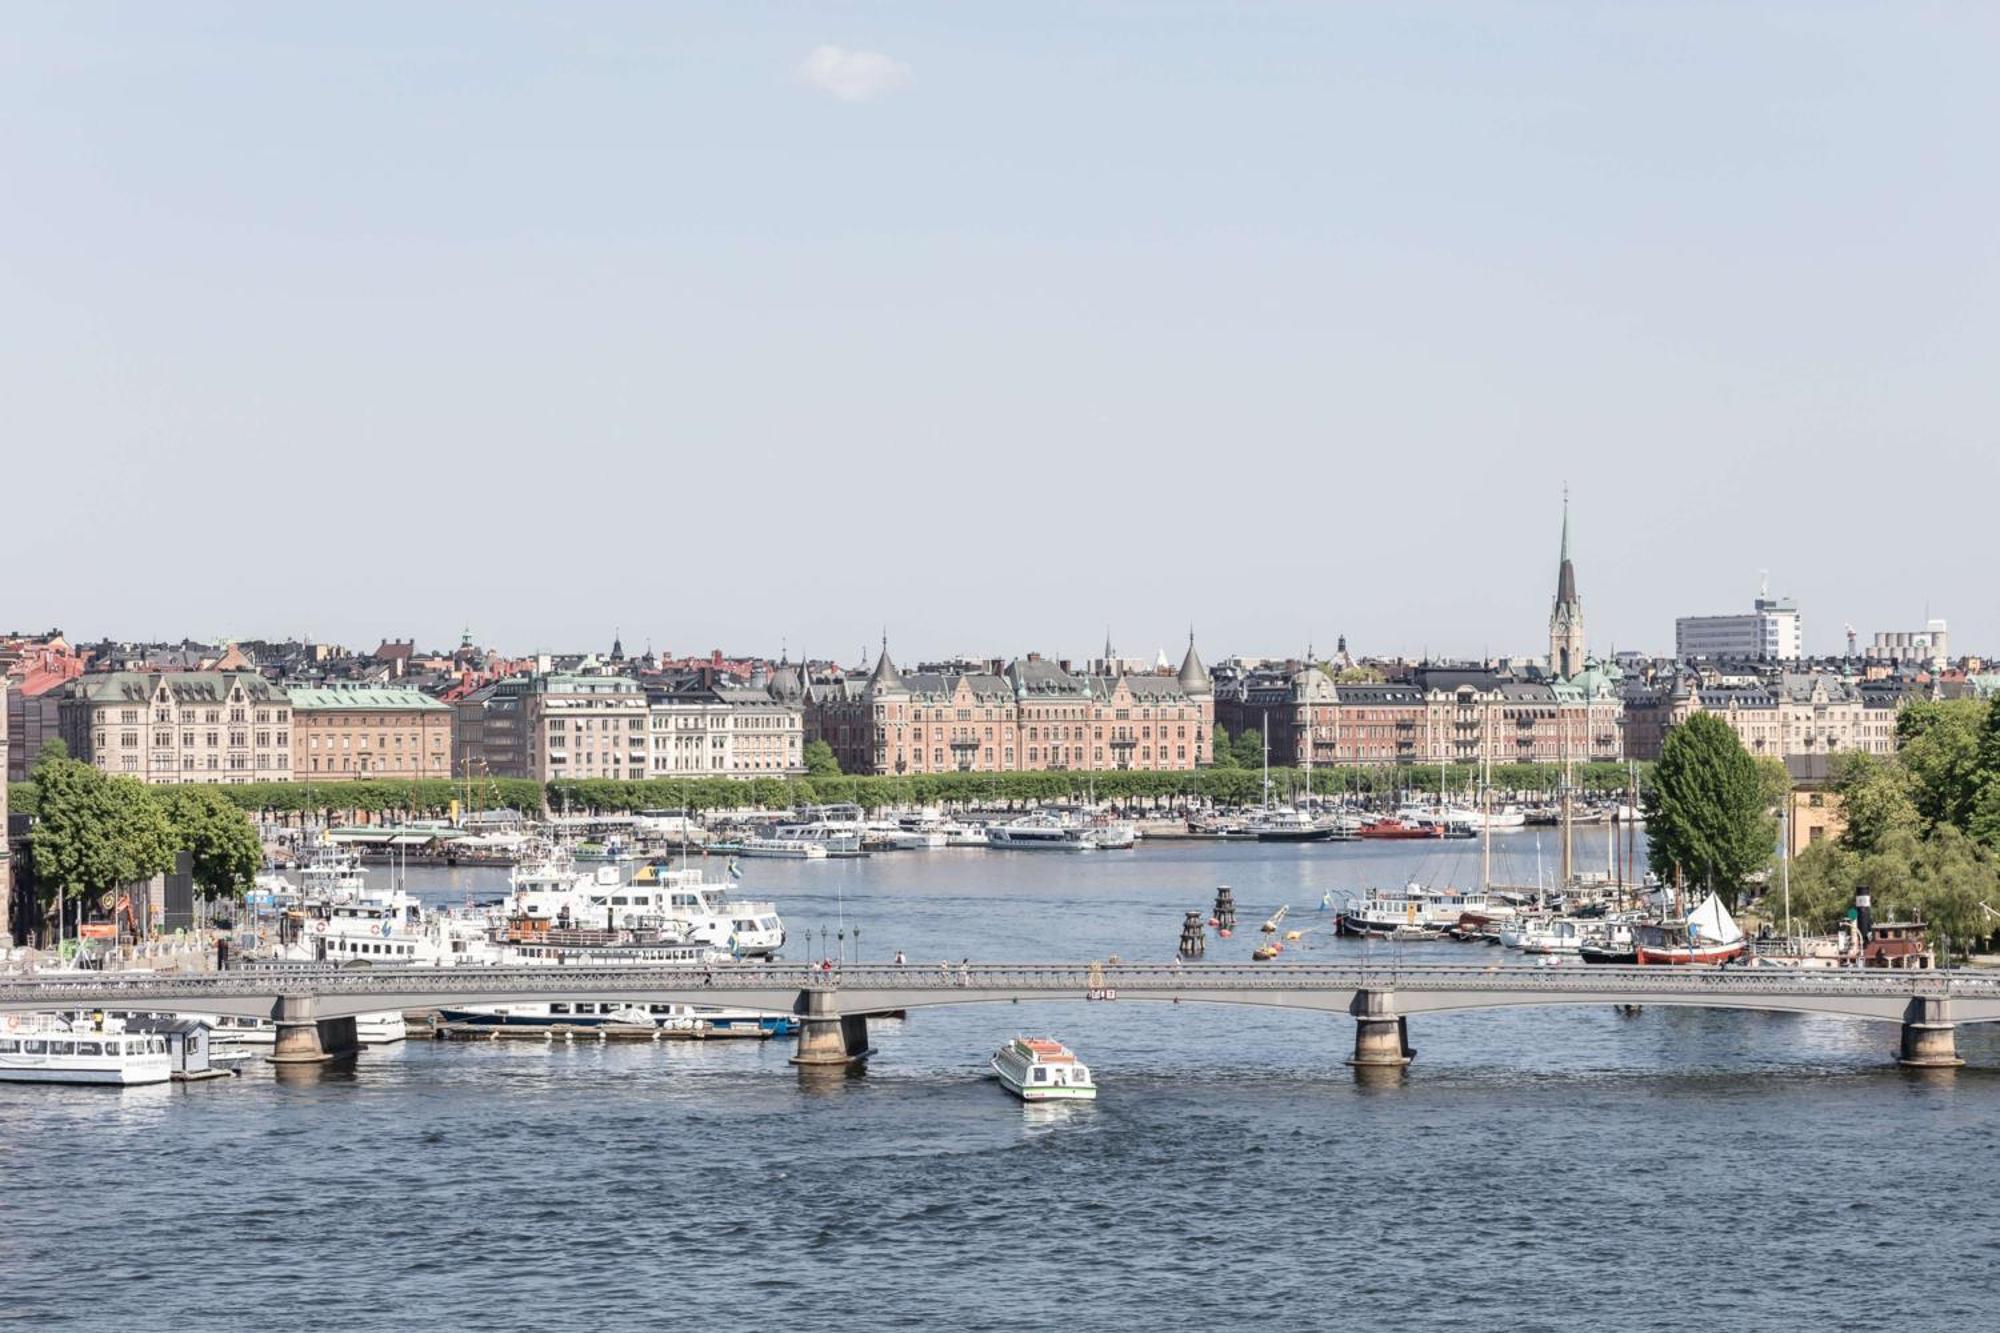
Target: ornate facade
(1030, 714)
(180, 726)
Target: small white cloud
(853, 76)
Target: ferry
(1290, 824)
(51, 1048)
(1037, 1069)
(1038, 833)
(781, 846)
(612, 1013)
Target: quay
(314, 1007)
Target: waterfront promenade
(314, 1006)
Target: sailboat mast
(1267, 759)
(1785, 857)
(1486, 800)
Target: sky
(996, 327)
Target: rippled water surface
(1537, 1169)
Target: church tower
(1566, 646)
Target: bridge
(314, 1006)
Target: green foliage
(20, 799)
(217, 834)
(420, 798)
(1875, 799)
(1221, 755)
(821, 762)
(1249, 748)
(1943, 878)
(94, 833)
(1939, 747)
(1708, 817)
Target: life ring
(316, 926)
(13, 1022)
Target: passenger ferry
(1037, 1069)
(801, 849)
(51, 1048)
(613, 1013)
(1041, 833)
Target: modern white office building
(1770, 633)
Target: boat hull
(1649, 956)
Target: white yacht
(1038, 832)
(675, 914)
(53, 1048)
(1037, 1069)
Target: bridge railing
(104, 988)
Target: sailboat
(1707, 935)
(1288, 823)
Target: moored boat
(56, 1048)
(1708, 935)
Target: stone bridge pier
(304, 1038)
(1930, 1038)
(1381, 1035)
(827, 1036)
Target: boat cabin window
(1041, 1075)
(62, 1048)
(558, 1007)
(8, 1045)
(35, 1047)
(89, 1048)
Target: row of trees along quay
(1165, 791)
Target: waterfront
(1550, 1169)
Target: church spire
(1566, 639)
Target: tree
(220, 838)
(1875, 799)
(1249, 748)
(1220, 753)
(94, 833)
(821, 762)
(1939, 746)
(1707, 818)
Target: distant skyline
(732, 327)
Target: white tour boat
(51, 1048)
(1037, 1069)
(1039, 833)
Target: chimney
(1864, 915)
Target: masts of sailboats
(1785, 856)
(1267, 759)
(1309, 728)
(1568, 849)
(1486, 799)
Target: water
(1538, 1169)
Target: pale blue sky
(1287, 320)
